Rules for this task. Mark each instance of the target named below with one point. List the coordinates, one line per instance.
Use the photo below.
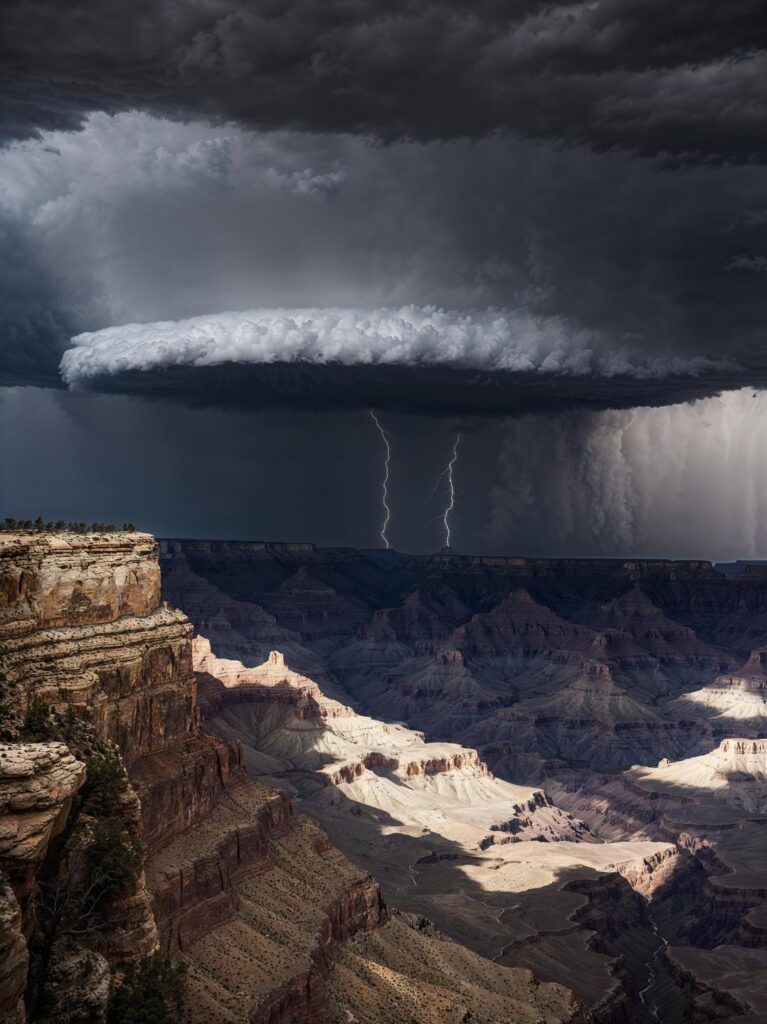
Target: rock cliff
(89, 656)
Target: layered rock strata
(14, 958)
(563, 674)
(498, 867)
(37, 784)
(344, 763)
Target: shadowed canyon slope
(104, 752)
(344, 673)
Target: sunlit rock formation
(341, 761)
(563, 674)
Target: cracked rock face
(37, 776)
(37, 783)
(77, 987)
(14, 959)
(82, 626)
(70, 580)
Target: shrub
(150, 994)
(104, 783)
(38, 723)
(11, 525)
(8, 718)
(114, 860)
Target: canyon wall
(84, 632)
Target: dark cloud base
(642, 74)
(434, 391)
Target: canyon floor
(558, 763)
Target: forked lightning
(385, 485)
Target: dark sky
(544, 227)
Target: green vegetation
(114, 863)
(9, 722)
(99, 864)
(100, 855)
(103, 857)
(104, 783)
(101, 795)
(110, 856)
(150, 994)
(39, 525)
(113, 854)
(39, 723)
(42, 722)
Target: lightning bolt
(451, 490)
(385, 485)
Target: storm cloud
(552, 213)
(679, 481)
(560, 277)
(642, 74)
(418, 359)
(686, 480)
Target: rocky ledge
(37, 784)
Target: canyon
(106, 763)
(581, 683)
(362, 785)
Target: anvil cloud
(505, 347)
(501, 256)
(409, 336)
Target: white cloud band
(489, 340)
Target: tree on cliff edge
(150, 994)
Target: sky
(229, 230)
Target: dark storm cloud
(412, 359)
(644, 74)
(34, 325)
(179, 471)
(591, 173)
(679, 481)
(683, 481)
(427, 390)
(622, 262)
(619, 280)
